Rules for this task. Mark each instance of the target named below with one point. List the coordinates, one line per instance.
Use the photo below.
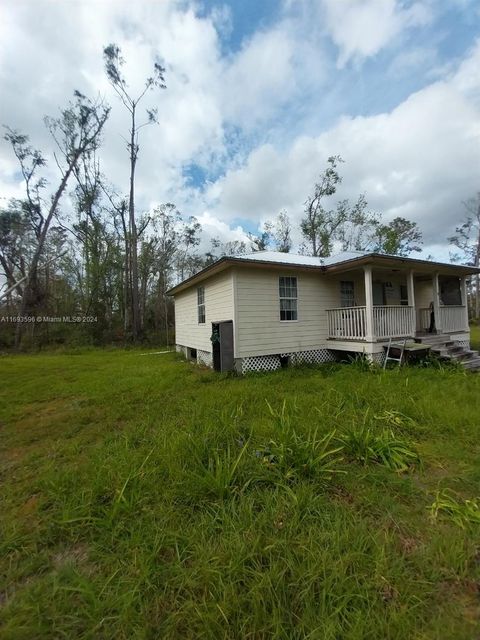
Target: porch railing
(347, 322)
(393, 321)
(452, 318)
(350, 323)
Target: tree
(76, 133)
(261, 241)
(188, 262)
(319, 224)
(400, 237)
(98, 266)
(467, 241)
(113, 66)
(356, 225)
(282, 232)
(15, 243)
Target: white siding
(260, 331)
(218, 306)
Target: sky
(259, 94)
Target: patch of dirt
(466, 592)
(409, 545)
(344, 496)
(30, 506)
(76, 554)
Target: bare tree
(113, 66)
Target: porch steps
(444, 347)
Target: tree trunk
(133, 236)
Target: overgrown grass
(475, 337)
(143, 497)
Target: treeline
(91, 269)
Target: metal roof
(338, 262)
(296, 259)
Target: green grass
(143, 497)
(475, 337)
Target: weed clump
(461, 512)
(365, 445)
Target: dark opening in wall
(191, 354)
(284, 361)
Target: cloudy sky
(260, 93)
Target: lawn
(143, 497)
(475, 337)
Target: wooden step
(472, 365)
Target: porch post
(436, 302)
(463, 289)
(411, 300)
(369, 334)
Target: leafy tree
(98, 275)
(113, 66)
(356, 225)
(400, 237)
(318, 225)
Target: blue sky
(259, 94)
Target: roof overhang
(374, 259)
(396, 262)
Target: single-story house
(262, 310)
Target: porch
(396, 304)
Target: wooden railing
(347, 322)
(350, 323)
(452, 318)
(393, 321)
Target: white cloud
(419, 161)
(254, 116)
(213, 227)
(361, 28)
(261, 78)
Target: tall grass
(145, 498)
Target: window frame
(201, 309)
(290, 298)
(347, 306)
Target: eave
(375, 259)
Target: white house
(262, 310)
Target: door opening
(222, 345)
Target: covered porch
(378, 303)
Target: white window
(201, 305)
(347, 293)
(287, 286)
